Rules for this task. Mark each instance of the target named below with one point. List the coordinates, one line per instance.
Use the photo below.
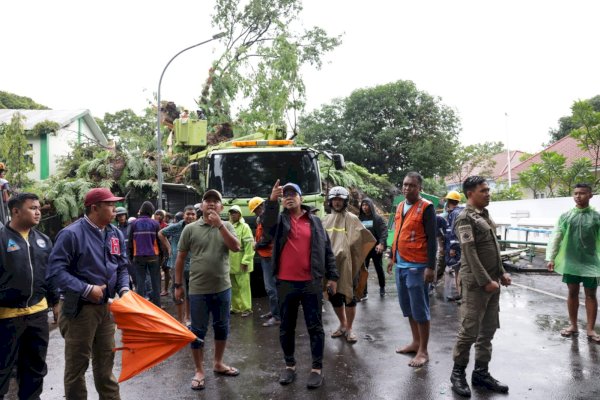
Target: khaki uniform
(480, 264)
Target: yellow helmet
(453, 195)
(255, 202)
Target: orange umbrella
(150, 335)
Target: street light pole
(159, 174)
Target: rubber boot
(482, 378)
(459, 381)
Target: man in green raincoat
(573, 251)
(241, 264)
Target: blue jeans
(412, 293)
(143, 264)
(202, 306)
(270, 286)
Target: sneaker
(267, 315)
(381, 292)
(271, 322)
(246, 313)
(365, 297)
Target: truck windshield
(253, 174)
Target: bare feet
(408, 349)
(419, 360)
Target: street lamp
(158, 131)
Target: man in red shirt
(302, 257)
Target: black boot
(482, 377)
(459, 381)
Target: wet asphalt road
(529, 355)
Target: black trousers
(24, 342)
(308, 293)
(378, 262)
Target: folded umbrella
(150, 335)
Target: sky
(510, 69)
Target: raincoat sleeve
(465, 233)
(555, 240)
(247, 242)
(331, 272)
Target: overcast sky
(529, 59)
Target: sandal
(197, 384)
(228, 371)
(339, 333)
(568, 332)
(595, 338)
(351, 337)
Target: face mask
(444, 214)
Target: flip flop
(338, 333)
(199, 384)
(594, 338)
(351, 337)
(228, 371)
(568, 333)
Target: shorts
(413, 293)
(204, 306)
(338, 300)
(589, 282)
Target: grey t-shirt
(209, 265)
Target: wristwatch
(177, 285)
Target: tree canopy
(569, 123)
(259, 69)
(390, 129)
(12, 101)
(475, 157)
(15, 151)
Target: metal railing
(529, 246)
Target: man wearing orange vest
(413, 259)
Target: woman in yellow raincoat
(241, 264)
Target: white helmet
(338, 191)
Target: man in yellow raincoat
(241, 264)
(350, 242)
(573, 251)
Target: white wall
(59, 145)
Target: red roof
(567, 146)
(500, 167)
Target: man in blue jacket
(89, 265)
(23, 292)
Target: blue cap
(293, 186)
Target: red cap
(99, 194)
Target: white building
(76, 126)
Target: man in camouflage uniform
(481, 275)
